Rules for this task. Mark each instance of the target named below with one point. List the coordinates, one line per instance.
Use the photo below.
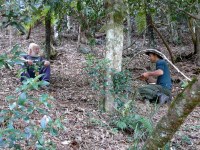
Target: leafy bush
(20, 128)
(96, 69)
(11, 58)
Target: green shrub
(25, 122)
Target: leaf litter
(86, 126)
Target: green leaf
(53, 132)
(14, 49)
(44, 83)
(22, 98)
(10, 97)
(44, 97)
(12, 106)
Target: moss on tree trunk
(181, 107)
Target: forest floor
(78, 104)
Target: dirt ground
(78, 104)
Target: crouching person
(161, 91)
(35, 64)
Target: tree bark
(180, 108)
(48, 34)
(69, 26)
(79, 37)
(129, 29)
(29, 33)
(114, 47)
(150, 33)
(192, 31)
(198, 44)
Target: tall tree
(114, 47)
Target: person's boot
(162, 98)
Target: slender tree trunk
(181, 107)
(48, 34)
(114, 47)
(69, 26)
(55, 33)
(29, 33)
(79, 36)
(129, 28)
(198, 45)
(192, 31)
(150, 33)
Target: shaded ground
(77, 103)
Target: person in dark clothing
(161, 91)
(35, 64)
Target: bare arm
(156, 73)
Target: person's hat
(154, 51)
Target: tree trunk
(192, 31)
(29, 33)
(198, 44)
(79, 37)
(150, 33)
(55, 34)
(48, 34)
(129, 29)
(114, 47)
(69, 26)
(180, 108)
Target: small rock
(84, 49)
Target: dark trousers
(150, 92)
(30, 73)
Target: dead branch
(197, 17)
(164, 41)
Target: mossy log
(178, 111)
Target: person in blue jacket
(161, 91)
